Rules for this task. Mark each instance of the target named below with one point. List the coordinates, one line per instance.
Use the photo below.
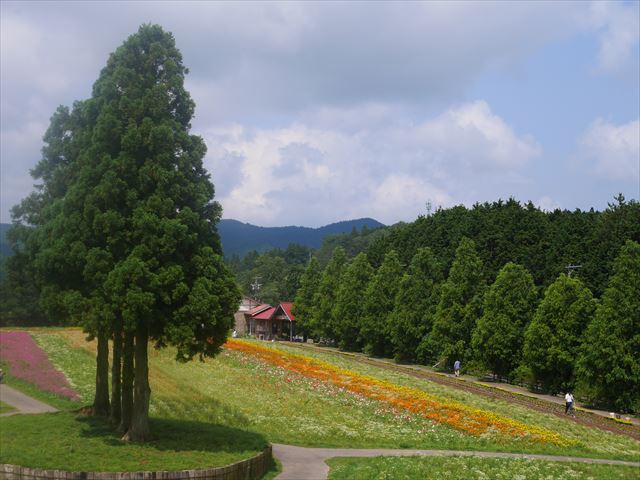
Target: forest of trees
(490, 286)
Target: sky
(319, 112)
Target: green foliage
(459, 308)
(303, 305)
(609, 364)
(553, 337)
(379, 301)
(415, 305)
(348, 311)
(509, 305)
(325, 297)
(123, 236)
(278, 271)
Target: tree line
(119, 235)
(445, 303)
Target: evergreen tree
(348, 310)
(415, 305)
(325, 298)
(609, 360)
(509, 305)
(553, 337)
(126, 240)
(303, 306)
(459, 308)
(379, 301)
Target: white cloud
(302, 172)
(618, 27)
(613, 150)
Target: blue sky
(319, 112)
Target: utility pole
(570, 268)
(255, 288)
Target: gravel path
(21, 402)
(300, 463)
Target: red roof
(287, 306)
(260, 308)
(265, 314)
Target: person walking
(568, 404)
(456, 368)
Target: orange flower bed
(457, 415)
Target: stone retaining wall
(250, 469)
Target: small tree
(509, 305)
(609, 362)
(415, 305)
(459, 308)
(553, 337)
(379, 300)
(303, 306)
(348, 310)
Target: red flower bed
(28, 362)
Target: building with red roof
(267, 323)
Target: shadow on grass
(179, 435)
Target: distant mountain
(239, 238)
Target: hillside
(239, 238)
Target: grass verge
(409, 468)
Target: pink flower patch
(28, 362)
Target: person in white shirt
(568, 407)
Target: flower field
(461, 417)
(320, 399)
(27, 361)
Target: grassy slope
(388, 468)
(241, 396)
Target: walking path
(309, 463)
(21, 402)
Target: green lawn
(81, 443)
(4, 408)
(411, 468)
(243, 398)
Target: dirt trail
(583, 416)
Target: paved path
(21, 402)
(299, 463)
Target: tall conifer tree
(348, 310)
(415, 306)
(509, 305)
(127, 243)
(609, 360)
(459, 308)
(379, 301)
(553, 337)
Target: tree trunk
(127, 382)
(116, 369)
(101, 401)
(139, 430)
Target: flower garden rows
(448, 412)
(28, 362)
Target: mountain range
(240, 238)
